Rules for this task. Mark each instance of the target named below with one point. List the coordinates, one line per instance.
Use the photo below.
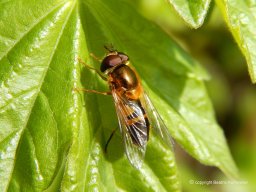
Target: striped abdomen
(137, 123)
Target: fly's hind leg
(109, 139)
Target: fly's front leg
(92, 68)
(99, 73)
(95, 57)
(93, 91)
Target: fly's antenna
(110, 47)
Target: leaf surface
(240, 17)
(193, 12)
(52, 137)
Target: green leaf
(240, 17)
(52, 137)
(193, 12)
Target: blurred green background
(230, 88)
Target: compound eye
(123, 56)
(109, 62)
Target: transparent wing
(134, 135)
(157, 124)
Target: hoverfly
(136, 113)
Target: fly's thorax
(124, 78)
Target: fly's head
(112, 60)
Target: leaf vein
(38, 21)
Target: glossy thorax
(121, 77)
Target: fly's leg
(91, 68)
(95, 57)
(93, 91)
(99, 73)
(109, 139)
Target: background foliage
(230, 89)
(51, 137)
